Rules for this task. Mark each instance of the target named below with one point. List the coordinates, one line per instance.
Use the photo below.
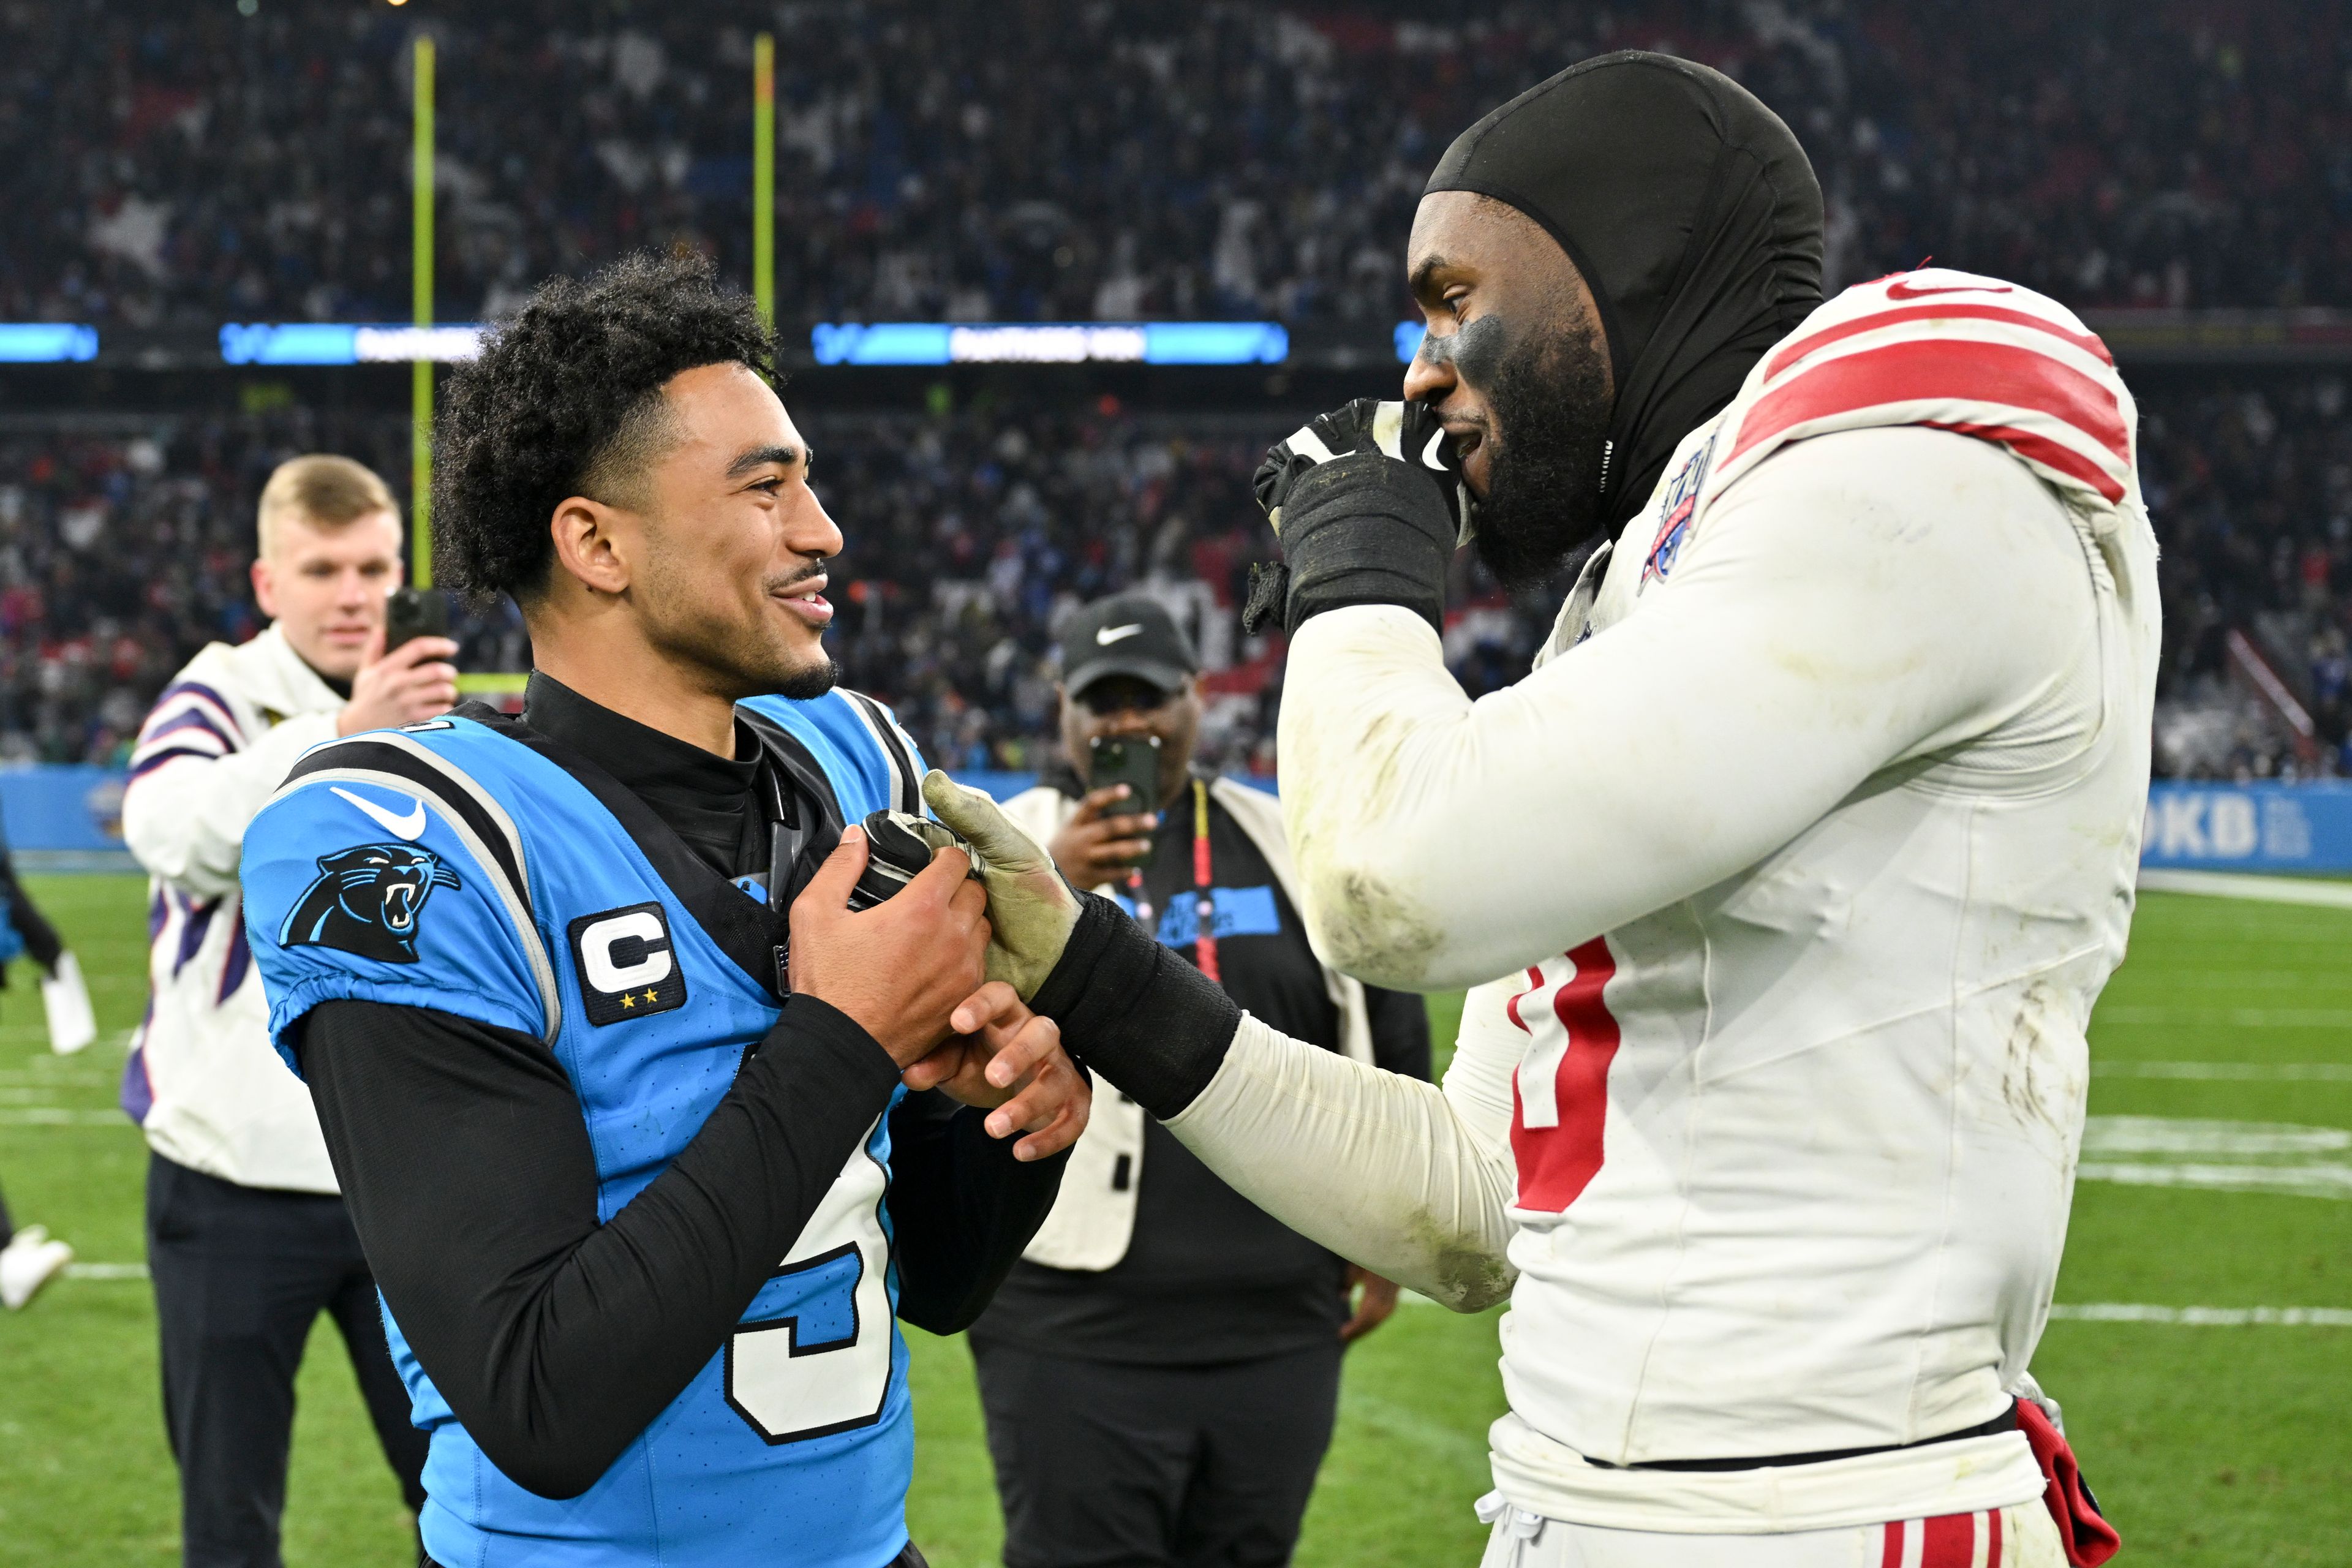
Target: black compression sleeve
(961, 1207)
(1134, 1012)
(466, 1165)
(1399, 1021)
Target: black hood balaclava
(1693, 217)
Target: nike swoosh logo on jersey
(407, 827)
(1899, 291)
(1110, 635)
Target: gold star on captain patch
(650, 997)
(627, 1000)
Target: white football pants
(2021, 1537)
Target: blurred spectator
(187, 165)
(124, 553)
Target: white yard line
(50, 1116)
(2231, 1018)
(2139, 1313)
(110, 1271)
(2234, 885)
(2288, 1181)
(2205, 1317)
(2232, 1072)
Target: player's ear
(587, 547)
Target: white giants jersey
(1795, 1153)
(1803, 854)
(203, 1081)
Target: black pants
(241, 1274)
(42, 943)
(1105, 1465)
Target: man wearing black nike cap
(1785, 883)
(1162, 1370)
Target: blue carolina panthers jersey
(458, 865)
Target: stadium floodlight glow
(47, 342)
(1408, 341)
(1049, 342)
(342, 342)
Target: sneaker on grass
(30, 1262)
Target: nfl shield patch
(1674, 510)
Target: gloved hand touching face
(1370, 505)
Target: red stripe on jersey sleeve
(1939, 369)
(1789, 353)
(1555, 1163)
(2039, 450)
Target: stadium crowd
(183, 166)
(180, 166)
(972, 534)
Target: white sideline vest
(202, 1082)
(1093, 1220)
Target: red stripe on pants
(1891, 1554)
(1556, 1162)
(1951, 1542)
(1992, 1557)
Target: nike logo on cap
(407, 827)
(1110, 635)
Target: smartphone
(415, 613)
(1133, 761)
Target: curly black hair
(566, 400)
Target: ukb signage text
(2250, 827)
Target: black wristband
(1134, 1011)
(1366, 529)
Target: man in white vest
(247, 1236)
(1160, 1372)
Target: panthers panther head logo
(367, 900)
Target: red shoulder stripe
(1790, 353)
(1943, 369)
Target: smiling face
(1517, 366)
(703, 546)
(732, 578)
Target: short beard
(808, 685)
(737, 661)
(1550, 405)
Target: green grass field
(2217, 1446)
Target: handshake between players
(912, 972)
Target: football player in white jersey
(1785, 884)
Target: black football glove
(1369, 504)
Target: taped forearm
(1378, 1167)
(1134, 1011)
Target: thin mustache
(784, 584)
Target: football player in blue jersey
(635, 1116)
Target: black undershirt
(711, 802)
(463, 1157)
(1208, 1275)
